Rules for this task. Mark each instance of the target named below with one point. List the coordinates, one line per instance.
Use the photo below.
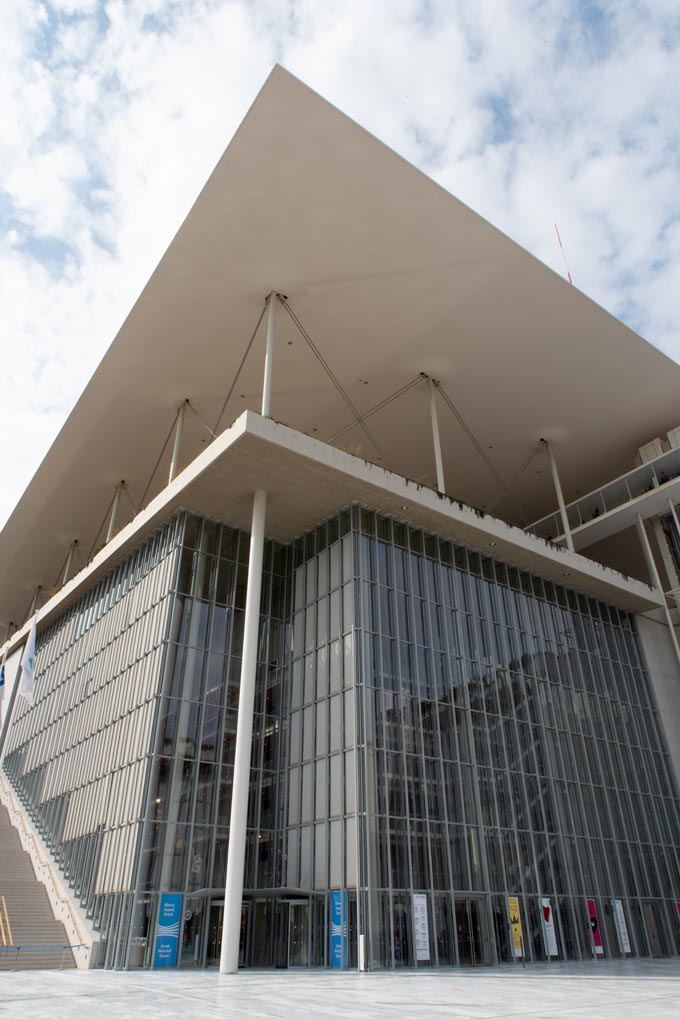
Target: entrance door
(215, 934)
(401, 953)
(471, 930)
(243, 941)
(193, 932)
(281, 922)
(215, 923)
(298, 934)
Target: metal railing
(611, 496)
(41, 865)
(19, 951)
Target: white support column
(69, 561)
(654, 577)
(676, 525)
(269, 356)
(34, 602)
(179, 427)
(233, 892)
(114, 513)
(647, 550)
(666, 558)
(560, 499)
(674, 514)
(436, 442)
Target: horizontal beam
(257, 452)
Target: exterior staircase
(30, 936)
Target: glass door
(193, 932)
(401, 955)
(471, 932)
(243, 936)
(298, 934)
(281, 922)
(215, 934)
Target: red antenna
(564, 255)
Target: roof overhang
(307, 481)
(391, 276)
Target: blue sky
(114, 113)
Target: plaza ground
(620, 990)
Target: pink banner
(594, 927)
(677, 912)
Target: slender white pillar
(666, 557)
(654, 577)
(436, 441)
(269, 356)
(179, 427)
(674, 514)
(114, 513)
(676, 525)
(34, 602)
(69, 561)
(647, 550)
(233, 892)
(560, 499)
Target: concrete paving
(603, 990)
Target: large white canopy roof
(391, 276)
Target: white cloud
(114, 114)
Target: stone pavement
(634, 989)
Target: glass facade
(79, 756)
(511, 749)
(436, 734)
(187, 835)
(124, 761)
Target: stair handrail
(38, 948)
(14, 812)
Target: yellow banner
(516, 925)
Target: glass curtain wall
(435, 733)
(125, 759)
(512, 748)
(187, 831)
(79, 756)
(322, 838)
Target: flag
(2, 678)
(27, 679)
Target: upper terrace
(647, 491)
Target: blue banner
(167, 930)
(338, 929)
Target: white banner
(420, 931)
(549, 935)
(620, 924)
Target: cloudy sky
(115, 111)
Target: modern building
(355, 573)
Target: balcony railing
(614, 494)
